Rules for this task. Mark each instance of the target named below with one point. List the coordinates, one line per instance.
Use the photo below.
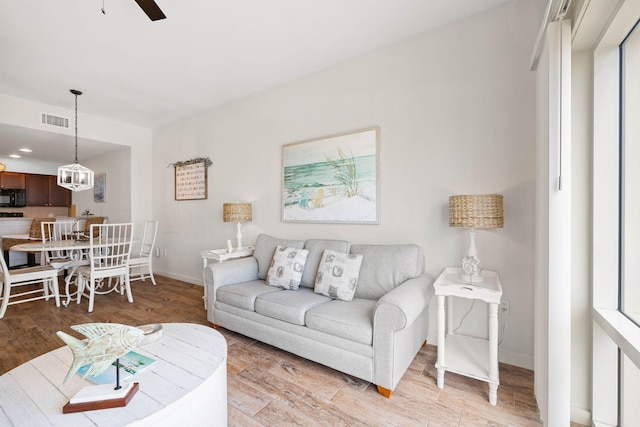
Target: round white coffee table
(186, 386)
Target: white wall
(30, 166)
(582, 159)
(456, 110)
(116, 165)
(20, 112)
(553, 263)
(541, 350)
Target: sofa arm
(400, 307)
(227, 273)
(400, 326)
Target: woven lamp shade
(476, 211)
(236, 212)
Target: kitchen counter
(38, 211)
(12, 226)
(15, 225)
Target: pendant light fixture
(75, 177)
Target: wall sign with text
(191, 181)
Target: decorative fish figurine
(107, 342)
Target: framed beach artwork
(333, 179)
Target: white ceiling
(205, 54)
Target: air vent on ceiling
(51, 120)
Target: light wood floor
(269, 387)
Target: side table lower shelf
(467, 356)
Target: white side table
(470, 356)
(221, 255)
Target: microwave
(16, 198)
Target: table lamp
(475, 211)
(237, 212)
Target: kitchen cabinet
(12, 180)
(37, 190)
(43, 190)
(58, 196)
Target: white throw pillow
(286, 267)
(337, 275)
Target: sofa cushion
(337, 275)
(351, 320)
(243, 295)
(266, 246)
(386, 266)
(316, 247)
(286, 267)
(287, 305)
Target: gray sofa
(374, 337)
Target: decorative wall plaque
(191, 179)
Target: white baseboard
(580, 416)
(193, 280)
(432, 339)
(515, 359)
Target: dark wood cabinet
(37, 190)
(58, 196)
(12, 180)
(43, 190)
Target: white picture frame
(332, 179)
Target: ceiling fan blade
(151, 9)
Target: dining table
(77, 249)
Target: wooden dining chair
(140, 266)
(62, 259)
(108, 269)
(91, 220)
(56, 231)
(29, 277)
(34, 235)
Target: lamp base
(239, 236)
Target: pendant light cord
(76, 93)
(76, 127)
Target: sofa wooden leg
(214, 326)
(384, 391)
(424, 344)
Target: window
(616, 219)
(630, 175)
(630, 390)
(629, 280)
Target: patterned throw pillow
(337, 275)
(286, 267)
